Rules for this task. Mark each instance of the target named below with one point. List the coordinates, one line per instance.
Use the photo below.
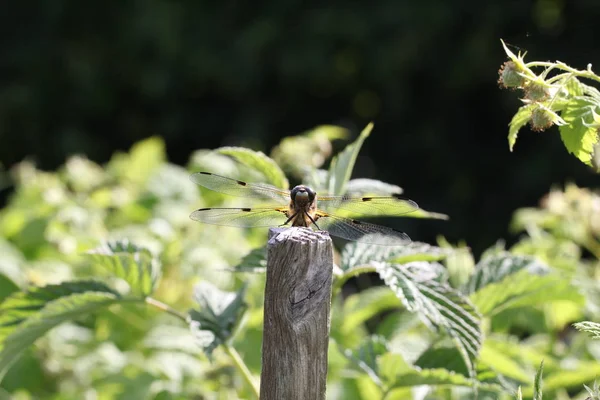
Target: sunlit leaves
(259, 162)
(218, 314)
(439, 306)
(26, 316)
(592, 328)
(135, 265)
(505, 280)
(342, 164)
(581, 132)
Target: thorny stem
(560, 65)
(241, 366)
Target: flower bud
(510, 76)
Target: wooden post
(297, 302)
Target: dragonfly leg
(312, 220)
(288, 220)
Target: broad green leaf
(342, 164)
(580, 134)
(373, 187)
(439, 306)
(537, 383)
(259, 162)
(502, 362)
(498, 266)
(255, 261)
(21, 306)
(593, 328)
(360, 307)
(524, 288)
(520, 119)
(357, 254)
(220, 312)
(135, 265)
(573, 86)
(52, 314)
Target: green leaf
(259, 162)
(357, 254)
(537, 383)
(580, 134)
(373, 187)
(499, 265)
(219, 314)
(592, 328)
(139, 164)
(342, 164)
(519, 120)
(439, 306)
(255, 261)
(360, 307)
(508, 281)
(49, 314)
(135, 265)
(366, 357)
(20, 306)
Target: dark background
(96, 76)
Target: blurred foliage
(99, 266)
(95, 78)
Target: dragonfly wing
(234, 187)
(369, 205)
(351, 229)
(243, 217)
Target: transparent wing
(243, 217)
(234, 187)
(351, 229)
(369, 205)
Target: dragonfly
(298, 207)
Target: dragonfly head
(302, 195)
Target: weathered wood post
(297, 303)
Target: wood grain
(297, 305)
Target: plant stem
(581, 73)
(166, 308)
(241, 366)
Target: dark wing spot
(203, 209)
(205, 173)
(367, 199)
(241, 183)
(357, 222)
(246, 209)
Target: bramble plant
(108, 289)
(555, 96)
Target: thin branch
(241, 366)
(166, 308)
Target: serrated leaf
(508, 281)
(20, 306)
(580, 134)
(520, 119)
(260, 162)
(592, 328)
(135, 265)
(53, 313)
(439, 306)
(573, 86)
(356, 254)
(499, 265)
(218, 316)
(342, 164)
